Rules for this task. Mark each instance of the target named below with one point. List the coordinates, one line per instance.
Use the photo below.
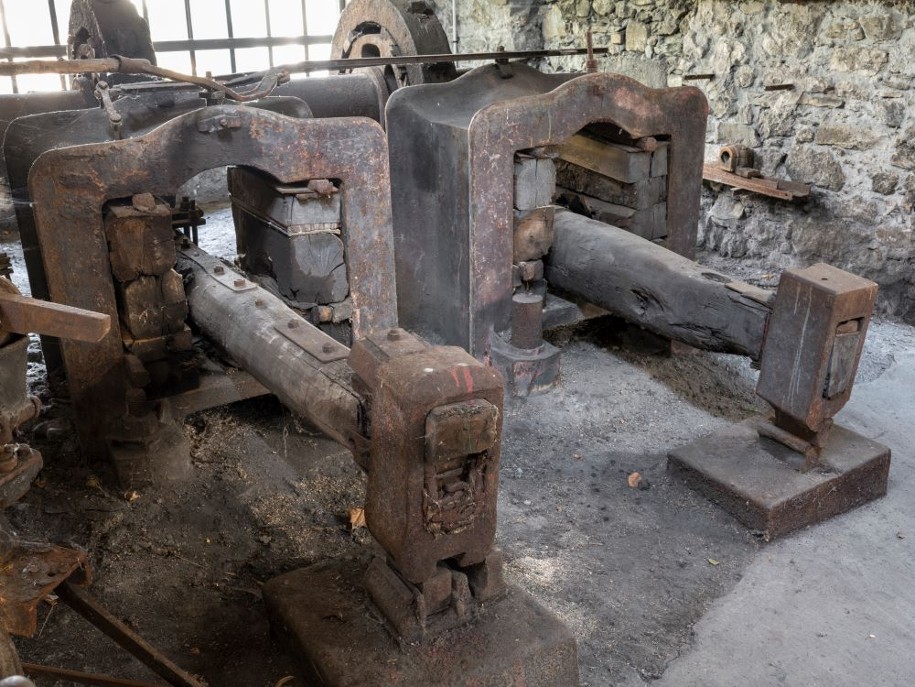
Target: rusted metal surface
(454, 255)
(78, 677)
(17, 406)
(322, 615)
(775, 188)
(754, 478)
(816, 335)
(31, 572)
(99, 28)
(70, 186)
(394, 28)
(146, 653)
(10, 667)
(428, 504)
(19, 466)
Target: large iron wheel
(394, 28)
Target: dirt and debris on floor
(630, 570)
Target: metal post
(190, 35)
(231, 32)
(305, 24)
(269, 32)
(55, 31)
(6, 40)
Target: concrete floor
(835, 604)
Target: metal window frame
(191, 46)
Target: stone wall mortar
(846, 125)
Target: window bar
(6, 39)
(305, 24)
(190, 35)
(55, 30)
(269, 33)
(145, 12)
(231, 34)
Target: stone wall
(843, 121)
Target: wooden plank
(22, 315)
(782, 188)
(613, 160)
(639, 196)
(650, 223)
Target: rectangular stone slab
(751, 477)
(322, 615)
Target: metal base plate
(323, 616)
(751, 477)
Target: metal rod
(231, 33)
(146, 653)
(47, 51)
(190, 35)
(55, 32)
(146, 12)
(82, 66)
(305, 24)
(34, 670)
(269, 32)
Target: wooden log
(659, 160)
(653, 287)
(533, 233)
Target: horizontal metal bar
(41, 51)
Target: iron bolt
(239, 283)
(293, 324)
(219, 269)
(328, 347)
(259, 303)
(396, 334)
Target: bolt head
(239, 283)
(396, 334)
(328, 347)
(293, 324)
(219, 269)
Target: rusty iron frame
(70, 186)
(501, 129)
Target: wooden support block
(533, 233)
(535, 181)
(614, 160)
(141, 242)
(153, 306)
(159, 347)
(650, 223)
(638, 196)
(659, 160)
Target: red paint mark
(454, 376)
(468, 378)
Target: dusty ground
(631, 571)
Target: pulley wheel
(101, 28)
(394, 28)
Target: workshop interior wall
(843, 122)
